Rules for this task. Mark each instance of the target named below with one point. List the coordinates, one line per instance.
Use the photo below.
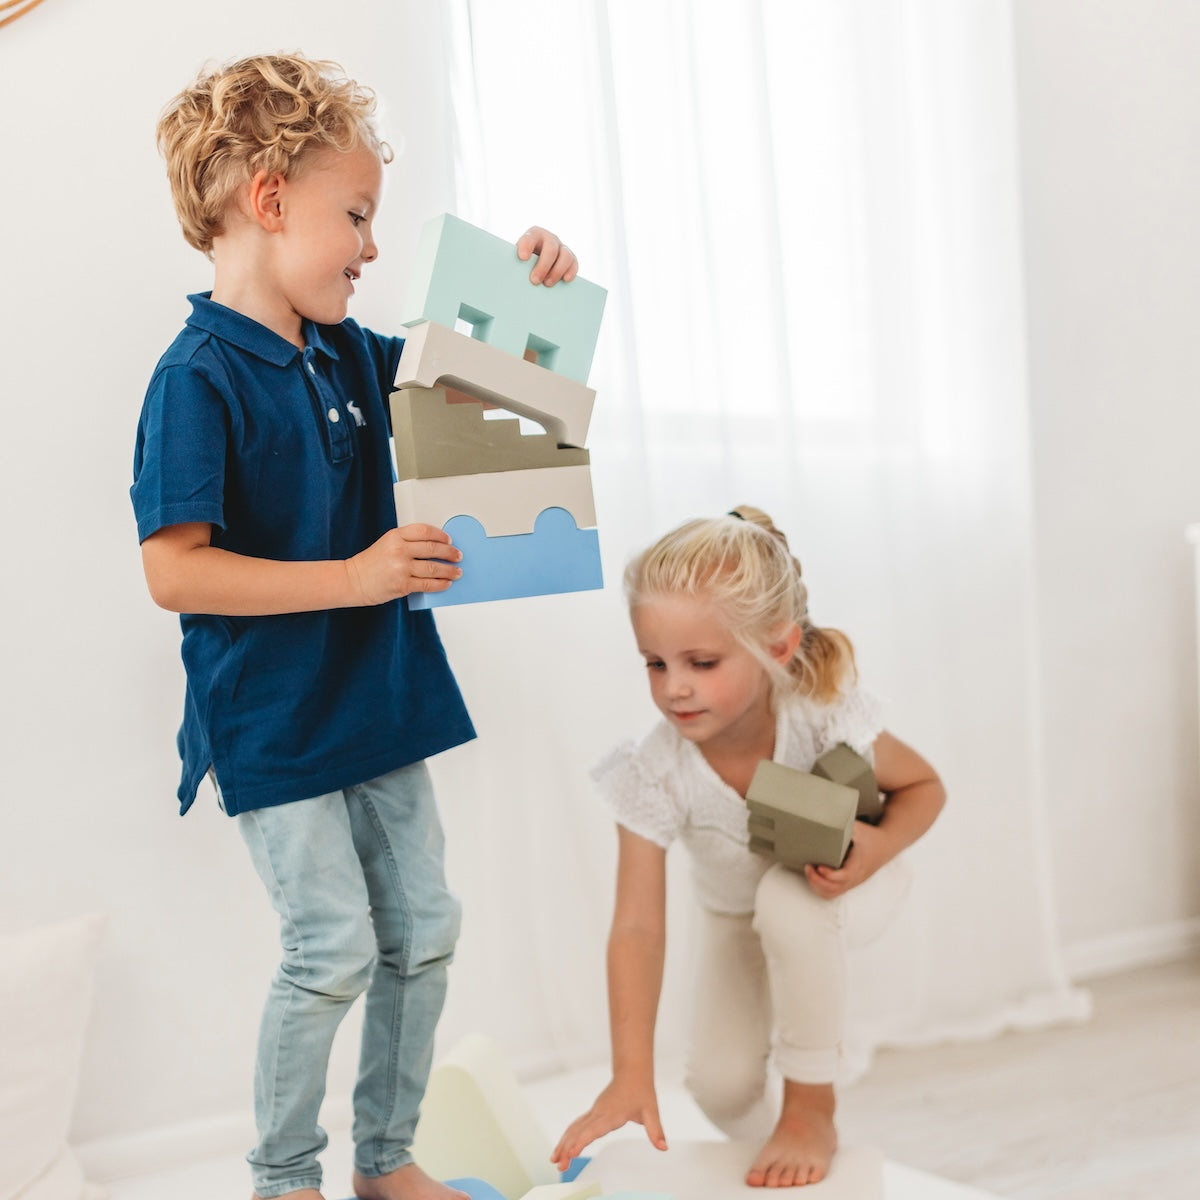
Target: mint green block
(462, 272)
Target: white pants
(772, 983)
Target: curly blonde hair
(742, 564)
(264, 113)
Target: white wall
(94, 273)
(1110, 125)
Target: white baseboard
(107, 1160)
(1096, 957)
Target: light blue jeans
(357, 879)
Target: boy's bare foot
(405, 1183)
(801, 1148)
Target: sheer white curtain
(805, 212)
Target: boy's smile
(327, 209)
(302, 240)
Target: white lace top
(663, 789)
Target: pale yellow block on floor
(476, 1123)
(576, 1190)
(717, 1171)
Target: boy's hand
(413, 558)
(554, 260)
(613, 1108)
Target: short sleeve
(385, 354)
(637, 796)
(856, 718)
(179, 456)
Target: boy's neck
(242, 281)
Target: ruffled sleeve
(635, 787)
(855, 717)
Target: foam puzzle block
(434, 354)
(626, 1194)
(846, 766)
(464, 273)
(556, 557)
(507, 502)
(436, 438)
(798, 818)
(476, 1123)
(575, 1190)
(477, 1189)
(717, 1170)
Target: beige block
(503, 503)
(434, 355)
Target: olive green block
(436, 438)
(843, 765)
(798, 818)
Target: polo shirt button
(334, 415)
(312, 367)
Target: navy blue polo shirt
(285, 454)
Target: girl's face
(703, 680)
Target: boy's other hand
(554, 260)
(413, 558)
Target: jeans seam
(392, 1088)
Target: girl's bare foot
(405, 1183)
(802, 1146)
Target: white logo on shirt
(356, 413)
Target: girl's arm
(186, 573)
(636, 951)
(915, 796)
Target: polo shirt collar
(248, 335)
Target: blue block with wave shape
(556, 557)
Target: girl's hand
(413, 558)
(862, 861)
(554, 260)
(616, 1105)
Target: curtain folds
(806, 216)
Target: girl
(740, 674)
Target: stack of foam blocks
(519, 506)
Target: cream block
(503, 503)
(436, 356)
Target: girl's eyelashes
(654, 664)
(358, 217)
(705, 664)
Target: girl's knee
(786, 908)
(726, 1088)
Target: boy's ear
(784, 648)
(265, 200)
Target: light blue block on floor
(462, 272)
(573, 1168)
(475, 1188)
(556, 557)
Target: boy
(262, 490)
